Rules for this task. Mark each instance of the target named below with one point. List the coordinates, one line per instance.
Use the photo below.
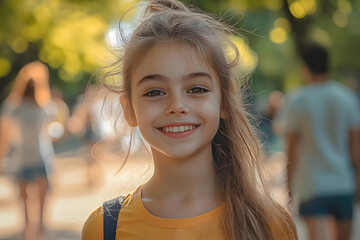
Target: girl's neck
(190, 177)
(181, 188)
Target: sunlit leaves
(19, 44)
(247, 58)
(70, 34)
(341, 15)
(5, 67)
(71, 43)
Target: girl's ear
(128, 111)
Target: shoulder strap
(111, 209)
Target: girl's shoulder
(93, 226)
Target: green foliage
(69, 36)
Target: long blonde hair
(236, 151)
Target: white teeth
(176, 129)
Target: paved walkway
(72, 199)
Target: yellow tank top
(135, 222)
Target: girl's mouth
(178, 131)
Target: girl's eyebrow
(162, 78)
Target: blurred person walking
(24, 141)
(321, 122)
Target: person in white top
(29, 149)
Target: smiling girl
(180, 92)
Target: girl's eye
(198, 90)
(154, 93)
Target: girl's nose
(177, 105)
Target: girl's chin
(180, 153)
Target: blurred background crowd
(50, 51)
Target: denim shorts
(32, 173)
(340, 207)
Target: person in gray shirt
(321, 122)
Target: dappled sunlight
(344, 6)
(248, 58)
(72, 40)
(297, 10)
(283, 23)
(20, 45)
(302, 8)
(278, 35)
(5, 67)
(321, 36)
(340, 18)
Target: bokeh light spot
(56, 59)
(340, 18)
(344, 6)
(32, 33)
(278, 35)
(297, 10)
(43, 55)
(72, 64)
(5, 67)
(42, 13)
(309, 6)
(56, 130)
(247, 58)
(283, 23)
(321, 36)
(19, 45)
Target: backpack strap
(111, 209)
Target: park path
(71, 198)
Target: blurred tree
(69, 36)
(66, 35)
(275, 29)
(335, 24)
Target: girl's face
(176, 100)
